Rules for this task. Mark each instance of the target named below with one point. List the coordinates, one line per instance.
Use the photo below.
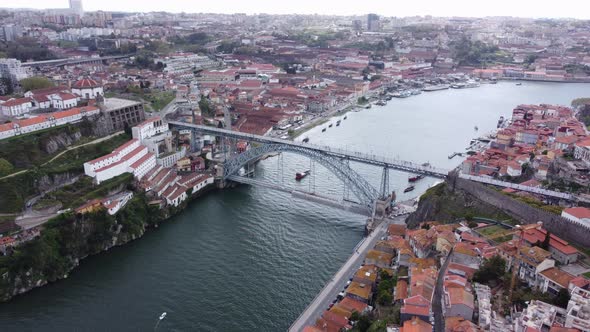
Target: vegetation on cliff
(442, 204)
(27, 152)
(70, 237)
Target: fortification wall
(527, 214)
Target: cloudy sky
(523, 8)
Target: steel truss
(363, 190)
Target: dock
(454, 154)
(330, 291)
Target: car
(330, 306)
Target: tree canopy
(491, 269)
(36, 82)
(467, 52)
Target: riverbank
(69, 238)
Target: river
(251, 259)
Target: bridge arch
(363, 190)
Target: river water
(251, 259)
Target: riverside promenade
(328, 294)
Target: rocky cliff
(68, 239)
(442, 203)
(59, 141)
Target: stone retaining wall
(527, 214)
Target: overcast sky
(522, 8)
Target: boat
(426, 165)
(471, 84)
(476, 129)
(408, 189)
(435, 88)
(330, 126)
(345, 117)
(324, 129)
(458, 86)
(163, 315)
(380, 103)
(416, 92)
(305, 140)
(518, 83)
(300, 176)
(368, 106)
(337, 123)
(415, 178)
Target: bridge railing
(520, 187)
(338, 152)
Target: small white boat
(163, 315)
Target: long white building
(131, 157)
(44, 121)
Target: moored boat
(408, 189)
(305, 140)
(415, 178)
(301, 175)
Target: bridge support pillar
(385, 183)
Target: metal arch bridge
(342, 154)
(362, 189)
(336, 160)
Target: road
(439, 320)
(338, 281)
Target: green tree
(205, 107)
(562, 298)
(491, 269)
(5, 167)
(363, 323)
(36, 82)
(546, 241)
(384, 297)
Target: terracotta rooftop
(558, 276)
(86, 83)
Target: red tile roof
(578, 212)
(16, 102)
(535, 234)
(86, 83)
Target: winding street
(439, 319)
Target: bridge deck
(336, 152)
(373, 159)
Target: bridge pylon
(385, 183)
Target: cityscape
(310, 171)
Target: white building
(538, 316)
(115, 203)
(13, 69)
(87, 89)
(149, 128)
(156, 136)
(578, 310)
(580, 215)
(16, 106)
(131, 157)
(185, 62)
(63, 100)
(44, 121)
